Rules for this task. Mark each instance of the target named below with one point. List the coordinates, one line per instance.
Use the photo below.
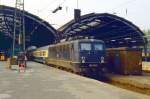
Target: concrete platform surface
(43, 82)
(142, 81)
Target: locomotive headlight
(83, 59)
(102, 59)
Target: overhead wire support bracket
(19, 26)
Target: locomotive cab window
(98, 47)
(86, 46)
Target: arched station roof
(38, 32)
(114, 30)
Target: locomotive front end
(92, 56)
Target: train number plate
(92, 65)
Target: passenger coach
(40, 54)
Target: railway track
(131, 87)
(140, 84)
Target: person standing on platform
(21, 61)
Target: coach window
(71, 51)
(37, 53)
(55, 52)
(67, 52)
(50, 51)
(60, 52)
(44, 53)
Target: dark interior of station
(38, 32)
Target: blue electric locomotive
(84, 56)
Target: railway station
(96, 55)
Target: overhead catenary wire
(123, 4)
(77, 4)
(37, 26)
(52, 2)
(49, 5)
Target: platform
(43, 82)
(146, 66)
(137, 83)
